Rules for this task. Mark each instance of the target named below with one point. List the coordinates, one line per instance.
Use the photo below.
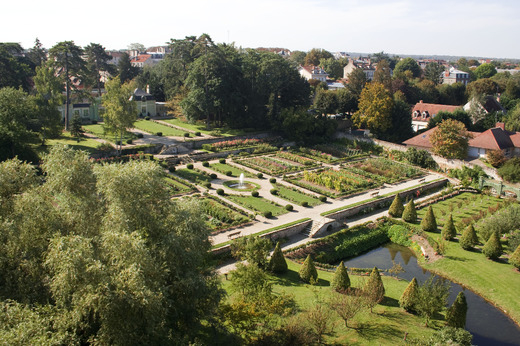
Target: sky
(442, 27)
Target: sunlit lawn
(258, 204)
(153, 127)
(201, 127)
(295, 196)
(97, 130)
(84, 143)
(235, 171)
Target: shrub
(222, 160)
(277, 263)
(229, 173)
(139, 135)
(449, 231)
(305, 204)
(207, 185)
(186, 134)
(323, 199)
(146, 118)
(159, 134)
(510, 170)
(409, 213)
(274, 192)
(129, 141)
(289, 207)
(255, 194)
(105, 147)
(259, 175)
(451, 336)
(469, 238)
(428, 223)
(213, 176)
(397, 208)
(515, 258)
(220, 192)
(171, 169)
(456, 314)
(399, 235)
(340, 281)
(197, 133)
(496, 158)
(308, 272)
(205, 164)
(374, 288)
(514, 241)
(189, 166)
(272, 180)
(409, 297)
(267, 214)
(492, 249)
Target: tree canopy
(450, 139)
(375, 108)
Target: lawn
(175, 186)
(387, 324)
(84, 143)
(235, 171)
(271, 165)
(195, 176)
(258, 204)
(201, 127)
(295, 196)
(97, 130)
(153, 127)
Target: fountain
(241, 181)
(241, 184)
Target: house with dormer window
(423, 112)
(313, 72)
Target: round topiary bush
(207, 185)
(197, 133)
(205, 164)
(189, 166)
(186, 134)
(140, 135)
(268, 214)
(323, 199)
(146, 118)
(274, 191)
(222, 160)
(229, 173)
(171, 169)
(305, 204)
(159, 134)
(289, 207)
(259, 175)
(255, 194)
(220, 192)
(129, 141)
(213, 176)
(272, 180)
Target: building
(453, 76)
(145, 102)
(141, 60)
(478, 109)
(364, 64)
(313, 72)
(423, 112)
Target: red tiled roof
(421, 140)
(141, 58)
(492, 139)
(431, 110)
(515, 138)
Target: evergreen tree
(449, 231)
(409, 213)
(428, 223)
(340, 281)
(308, 272)
(397, 208)
(456, 314)
(469, 238)
(515, 258)
(409, 296)
(277, 263)
(493, 249)
(374, 289)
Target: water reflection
(488, 325)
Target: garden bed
(270, 165)
(295, 196)
(257, 204)
(194, 175)
(154, 128)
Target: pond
(488, 324)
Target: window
(85, 113)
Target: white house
(313, 72)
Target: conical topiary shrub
(493, 249)
(374, 285)
(456, 314)
(468, 238)
(449, 231)
(397, 208)
(277, 263)
(308, 272)
(340, 281)
(515, 258)
(409, 213)
(409, 297)
(428, 223)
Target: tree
(254, 250)
(375, 108)
(449, 232)
(120, 108)
(493, 249)
(347, 101)
(308, 272)
(37, 54)
(383, 74)
(326, 102)
(357, 80)
(66, 58)
(432, 297)
(459, 115)
(485, 71)
(340, 281)
(298, 57)
(374, 290)
(451, 336)
(137, 46)
(450, 139)
(407, 64)
(433, 72)
(510, 170)
(401, 123)
(484, 86)
(428, 223)
(515, 258)
(125, 69)
(409, 297)
(456, 314)
(315, 55)
(409, 213)
(347, 305)
(469, 238)
(397, 208)
(318, 318)
(277, 263)
(75, 127)
(420, 157)
(251, 281)
(14, 70)
(97, 62)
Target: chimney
(501, 125)
(420, 101)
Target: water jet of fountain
(241, 181)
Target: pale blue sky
(442, 27)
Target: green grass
(258, 204)
(225, 132)
(84, 143)
(193, 175)
(385, 326)
(97, 130)
(176, 187)
(153, 127)
(235, 171)
(295, 196)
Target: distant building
(453, 76)
(423, 112)
(364, 64)
(335, 85)
(145, 102)
(313, 72)
(141, 60)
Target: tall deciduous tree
(407, 64)
(314, 56)
(383, 74)
(125, 69)
(14, 70)
(485, 71)
(120, 109)
(357, 80)
(97, 62)
(433, 72)
(375, 108)
(66, 59)
(432, 297)
(450, 139)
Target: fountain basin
(241, 186)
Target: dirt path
(429, 253)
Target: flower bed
(390, 170)
(176, 186)
(194, 175)
(269, 165)
(219, 216)
(295, 158)
(238, 143)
